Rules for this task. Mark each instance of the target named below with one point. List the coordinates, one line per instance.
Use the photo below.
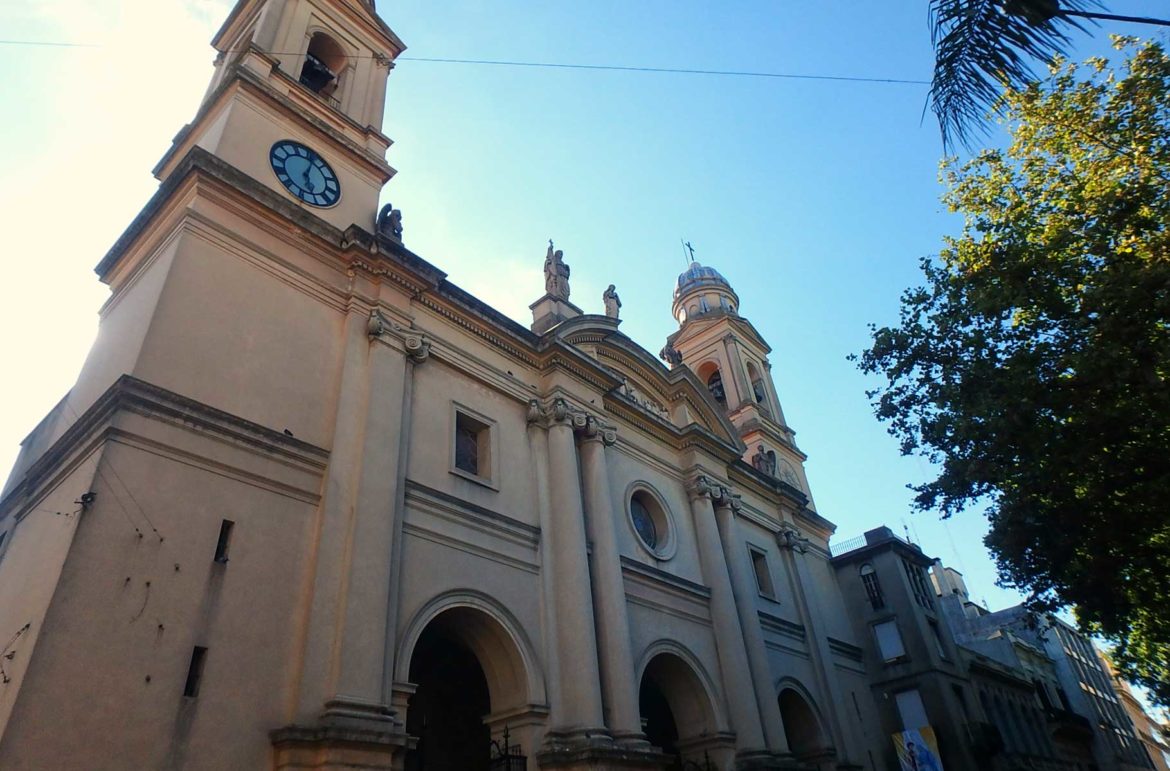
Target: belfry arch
(469, 663)
(677, 708)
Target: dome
(698, 276)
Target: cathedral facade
(310, 505)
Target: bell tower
(730, 357)
(296, 104)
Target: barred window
(873, 589)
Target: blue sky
(814, 198)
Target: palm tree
(983, 46)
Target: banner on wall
(918, 750)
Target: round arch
(803, 723)
(496, 638)
(688, 687)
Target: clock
(304, 173)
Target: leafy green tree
(1033, 366)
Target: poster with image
(918, 750)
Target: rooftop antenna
(906, 530)
(689, 249)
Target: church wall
(227, 334)
(129, 610)
(126, 318)
(628, 468)
(826, 595)
(31, 560)
(438, 391)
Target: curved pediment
(674, 396)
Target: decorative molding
(782, 626)
(790, 538)
(846, 650)
(416, 345)
(665, 579)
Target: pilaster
(619, 685)
(579, 720)
(729, 642)
(795, 551)
(744, 591)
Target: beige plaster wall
(35, 552)
(106, 685)
(437, 391)
(230, 336)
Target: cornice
(133, 395)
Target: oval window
(650, 521)
(643, 522)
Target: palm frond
(981, 48)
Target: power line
(559, 66)
(670, 70)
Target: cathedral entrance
(674, 708)
(468, 665)
(806, 740)
(447, 710)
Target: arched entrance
(802, 728)
(464, 665)
(674, 707)
(446, 712)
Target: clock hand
(308, 182)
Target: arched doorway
(675, 708)
(802, 728)
(464, 665)
(447, 710)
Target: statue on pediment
(556, 273)
(613, 303)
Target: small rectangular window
(473, 446)
(763, 575)
(889, 640)
(225, 540)
(195, 671)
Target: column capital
(790, 538)
(558, 411)
(720, 495)
(595, 430)
(415, 343)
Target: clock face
(304, 173)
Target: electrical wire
(556, 65)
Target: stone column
(538, 442)
(795, 548)
(619, 687)
(335, 524)
(576, 636)
(735, 364)
(417, 350)
(743, 587)
(729, 643)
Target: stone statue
(670, 355)
(764, 462)
(390, 222)
(556, 273)
(612, 302)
